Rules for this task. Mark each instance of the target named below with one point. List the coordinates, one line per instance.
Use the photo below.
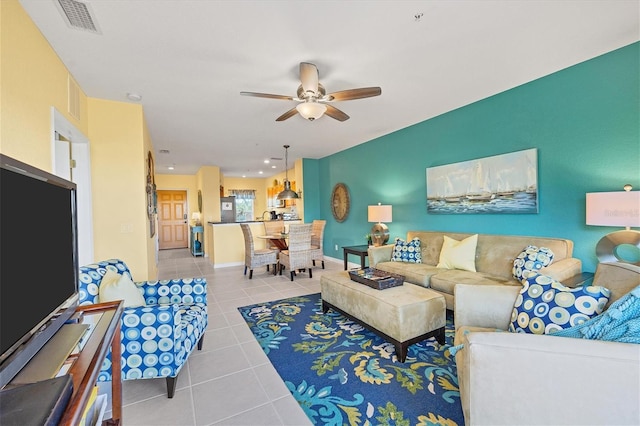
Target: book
(40, 403)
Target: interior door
(172, 220)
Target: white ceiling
(191, 59)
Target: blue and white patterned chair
(156, 338)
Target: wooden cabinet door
(172, 220)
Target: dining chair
(317, 235)
(299, 255)
(273, 227)
(260, 257)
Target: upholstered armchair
(157, 337)
(299, 255)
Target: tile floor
(231, 381)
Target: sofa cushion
(459, 254)
(495, 253)
(531, 260)
(415, 273)
(446, 279)
(114, 286)
(544, 305)
(407, 251)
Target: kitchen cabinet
(272, 195)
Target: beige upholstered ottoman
(403, 315)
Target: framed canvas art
(505, 183)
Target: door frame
(80, 151)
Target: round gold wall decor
(340, 202)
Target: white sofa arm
(380, 254)
(488, 306)
(518, 379)
(563, 269)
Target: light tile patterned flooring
(230, 381)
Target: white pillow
(459, 254)
(119, 287)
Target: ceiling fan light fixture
(311, 110)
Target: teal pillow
(545, 306)
(405, 251)
(530, 261)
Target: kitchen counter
(253, 221)
(226, 241)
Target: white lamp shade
(380, 213)
(621, 208)
(311, 110)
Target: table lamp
(380, 231)
(195, 217)
(621, 209)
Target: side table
(195, 244)
(361, 251)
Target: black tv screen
(38, 260)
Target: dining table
(277, 240)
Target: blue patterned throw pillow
(405, 251)
(530, 261)
(545, 306)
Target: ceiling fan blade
(334, 112)
(293, 111)
(309, 77)
(347, 95)
(267, 95)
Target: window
(244, 203)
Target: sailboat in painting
(480, 189)
(504, 183)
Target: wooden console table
(104, 335)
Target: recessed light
(260, 172)
(266, 161)
(244, 176)
(273, 167)
(170, 167)
(134, 97)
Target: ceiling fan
(313, 99)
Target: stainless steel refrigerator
(228, 209)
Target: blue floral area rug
(343, 374)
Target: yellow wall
(187, 183)
(209, 180)
(118, 162)
(33, 79)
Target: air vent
(78, 15)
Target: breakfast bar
(226, 242)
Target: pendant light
(287, 194)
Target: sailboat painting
(505, 183)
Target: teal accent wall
(584, 121)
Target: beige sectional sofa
(493, 262)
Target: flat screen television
(38, 261)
